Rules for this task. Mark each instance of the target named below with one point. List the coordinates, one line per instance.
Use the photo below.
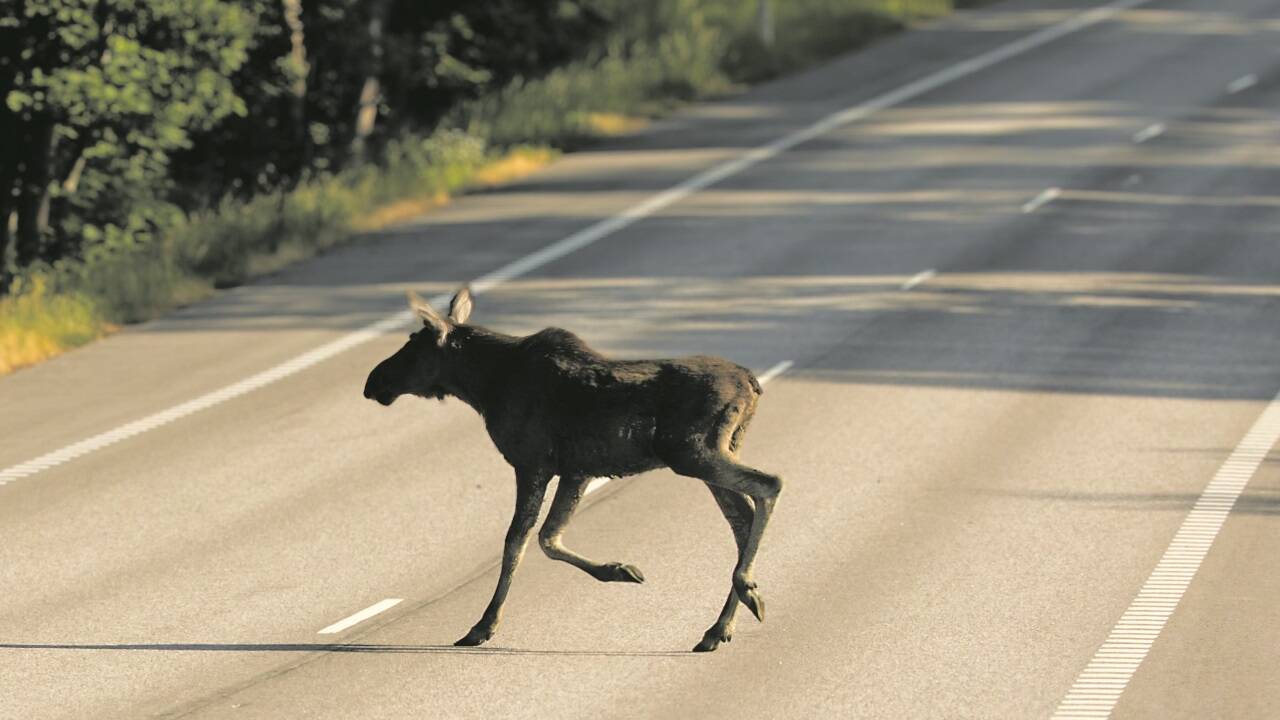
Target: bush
(637, 78)
(221, 244)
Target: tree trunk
(33, 187)
(5, 214)
(764, 22)
(371, 92)
(8, 174)
(10, 152)
(299, 69)
(60, 245)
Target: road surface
(1029, 284)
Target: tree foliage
(98, 95)
(119, 113)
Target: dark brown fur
(555, 407)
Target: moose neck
(475, 357)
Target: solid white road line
(1045, 197)
(361, 616)
(1151, 131)
(1099, 685)
(584, 237)
(763, 378)
(918, 278)
(1243, 83)
(164, 417)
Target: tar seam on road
(763, 378)
(582, 238)
(361, 616)
(1045, 197)
(1098, 687)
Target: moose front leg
(568, 494)
(530, 488)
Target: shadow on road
(339, 648)
(1260, 502)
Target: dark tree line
(115, 114)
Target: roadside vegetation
(157, 149)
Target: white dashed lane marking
(775, 371)
(1243, 83)
(920, 277)
(1149, 132)
(1045, 197)
(365, 614)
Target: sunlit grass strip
(36, 325)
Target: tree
(371, 89)
(296, 68)
(98, 94)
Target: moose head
(417, 367)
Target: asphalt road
(1032, 307)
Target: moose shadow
(337, 648)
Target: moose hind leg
(721, 470)
(763, 489)
(568, 495)
(530, 489)
(738, 510)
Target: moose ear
(460, 307)
(429, 316)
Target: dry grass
(398, 212)
(518, 163)
(605, 124)
(36, 325)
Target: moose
(555, 407)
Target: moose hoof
(617, 572)
(750, 597)
(712, 639)
(477, 636)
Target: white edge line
(1242, 83)
(1098, 687)
(1045, 197)
(365, 614)
(763, 378)
(1149, 132)
(583, 237)
(920, 277)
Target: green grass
(564, 108)
(810, 31)
(663, 53)
(238, 239)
